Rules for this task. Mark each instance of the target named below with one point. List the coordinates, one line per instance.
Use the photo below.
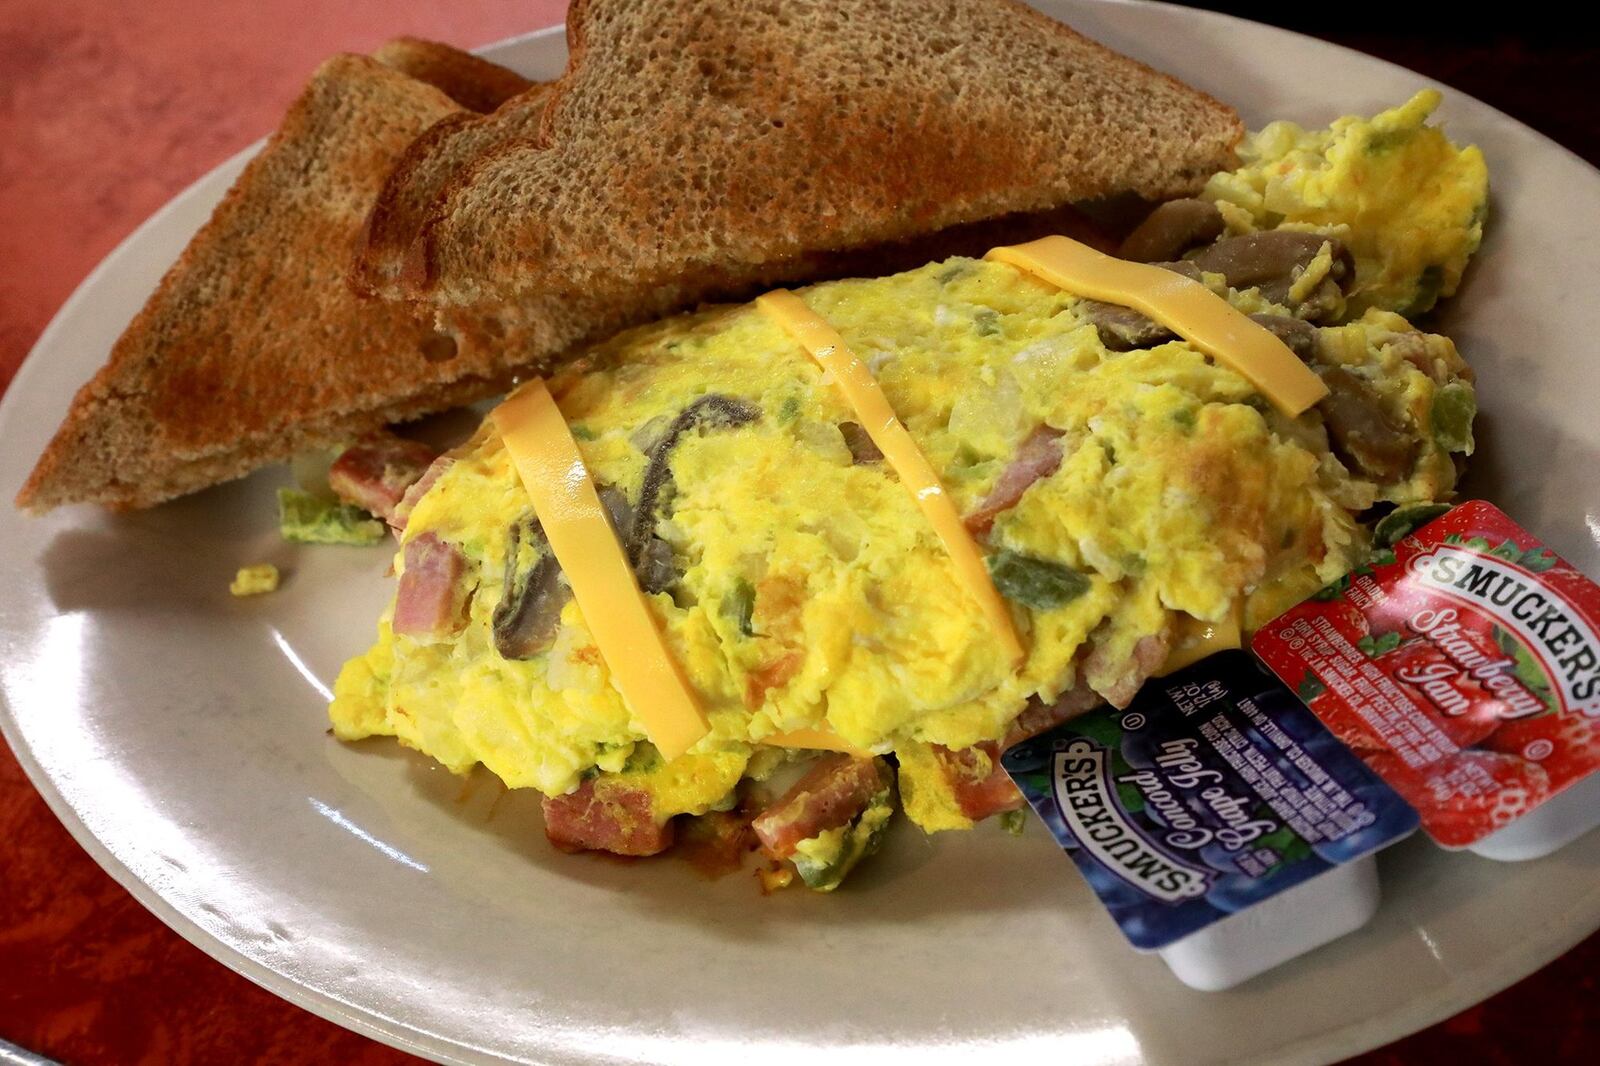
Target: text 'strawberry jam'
(1463, 665)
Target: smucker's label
(1216, 789)
(1463, 664)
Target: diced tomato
(981, 786)
(770, 675)
(605, 814)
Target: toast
(431, 164)
(253, 347)
(476, 84)
(705, 146)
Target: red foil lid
(1462, 664)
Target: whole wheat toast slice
(703, 146)
(253, 347)
(414, 192)
(476, 84)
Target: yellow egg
(1408, 203)
(808, 592)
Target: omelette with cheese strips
(1136, 504)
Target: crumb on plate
(255, 580)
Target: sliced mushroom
(1259, 258)
(618, 511)
(859, 441)
(1172, 229)
(1324, 303)
(713, 411)
(525, 620)
(655, 567)
(1361, 429)
(1298, 335)
(1273, 261)
(1185, 267)
(1122, 329)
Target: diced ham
(1120, 682)
(1038, 717)
(429, 600)
(980, 785)
(1038, 457)
(832, 793)
(375, 471)
(606, 814)
(418, 489)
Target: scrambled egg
(1408, 203)
(810, 591)
(804, 588)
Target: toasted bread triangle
(253, 347)
(719, 139)
(476, 84)
(430, 168)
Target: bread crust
(692, 150)
(474, 83)
(417, 189)
(730, 135)
(252, 347)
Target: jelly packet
(1214, 792)
(1462, 664)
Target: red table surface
(106, 111)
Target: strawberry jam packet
(1462, 664)
(1212, 793)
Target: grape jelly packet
(1463, 665)
(1213, 792)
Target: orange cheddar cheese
(1183, 305)
(877, 417)
(564, 498)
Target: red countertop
(107, 111)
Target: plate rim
(1329, 1045)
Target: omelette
(1136, 503)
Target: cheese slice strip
(814, 740)
(1183, 305)
(564, 498)
(872, 409)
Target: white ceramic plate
(180, 735)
